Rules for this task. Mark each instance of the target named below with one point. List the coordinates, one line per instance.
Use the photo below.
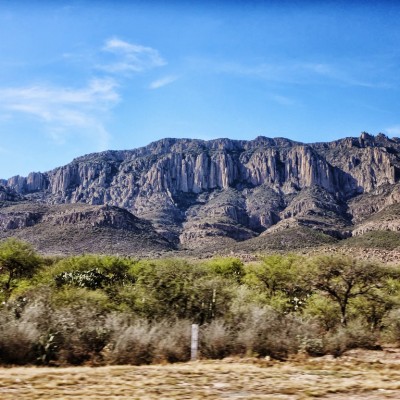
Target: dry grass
(363, 375)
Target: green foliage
(97, 309)
(228, 267)
(17, 260)
(91, 279)
(281, 278)
(177, 288)
(89, 271)
(324, 310)
(344, 279)
(75, 297)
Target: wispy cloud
(159, 83)
(98, 91)
(67, 111)
(297, 72)
(84, 110)
(129, 57)
(64, 109)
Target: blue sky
(78, 77)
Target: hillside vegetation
(114, 310)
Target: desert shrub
(18, 338)
(90, 279)
(313, 346)
(174, 345)
(72, 297)
(216, 339)
(266, 332)
(79, 333)
(71, 324)
(243, 299)
(372, 308)
(391, 323)
(354, 335)
(144, 342)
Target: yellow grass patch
(355, 376)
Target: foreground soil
(357, 375)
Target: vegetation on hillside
(114, 310)
(387, 240)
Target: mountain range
(196, 195)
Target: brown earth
(359, 374)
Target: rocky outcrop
(77, 228)
(370, 161)
(8, 194)
(367, 204)
(35, 182)
(193, 189)
(387, 219)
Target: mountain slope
(80, 228)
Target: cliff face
(191, 189)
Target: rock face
(388, 219)
(7, 194)
(192, 190)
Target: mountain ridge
(195, 192)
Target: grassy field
(363, 375)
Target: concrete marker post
(194, 342)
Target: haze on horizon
(78, 77)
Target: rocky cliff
(194, 190)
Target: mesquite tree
(344, 279)
(17, 260)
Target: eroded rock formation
(193, 189)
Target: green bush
(228, 267)
(281, 279)
(110, 310)
(178, 289)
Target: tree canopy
(17, 260)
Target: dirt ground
(359, 374)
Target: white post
(195, 342)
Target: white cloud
(129, 57)
(297, 72)
(82, 111)
(159, 83)
(97, 91)
(65, 110)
